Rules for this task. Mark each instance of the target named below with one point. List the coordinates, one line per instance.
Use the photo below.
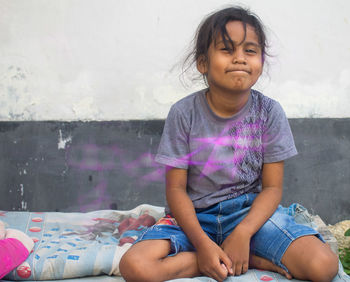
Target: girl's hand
(213, 261)
(236, 246)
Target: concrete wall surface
(85, 86)
(84, 166)
(119, 60)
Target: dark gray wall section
(84, 166)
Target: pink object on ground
(12, 254)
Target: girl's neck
(225, 104)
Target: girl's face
(235, 69)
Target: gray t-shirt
(224, 156)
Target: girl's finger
(221, 273)
(213, 274)
(227, 262)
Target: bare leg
(148, 261)
(264, 264)
(307, 258)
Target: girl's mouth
(238, 71)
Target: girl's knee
(135, 267)
(309, 259)
(125, 265)
(129, 267)
(324, 267)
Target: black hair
(215, 24)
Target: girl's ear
(202, 65)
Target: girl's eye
(228, 50)
(251, 51)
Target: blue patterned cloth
(71, 245)
(81, 245)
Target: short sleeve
(278, 142)
(173, 149)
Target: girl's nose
(239, 57)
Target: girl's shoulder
(264, 102)
(187, 108)
(189, 100)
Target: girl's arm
(237, 243)
(210, 255)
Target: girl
(15, 247)
(224, 148)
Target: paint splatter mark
(24, 205)
(266, 278)
(24, 270)
(35, 229)
(22, 189)
(62, 142)
(37, 219)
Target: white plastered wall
(118, 59)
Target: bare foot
(264, 264)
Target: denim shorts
(218, 221)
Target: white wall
(114, 59)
